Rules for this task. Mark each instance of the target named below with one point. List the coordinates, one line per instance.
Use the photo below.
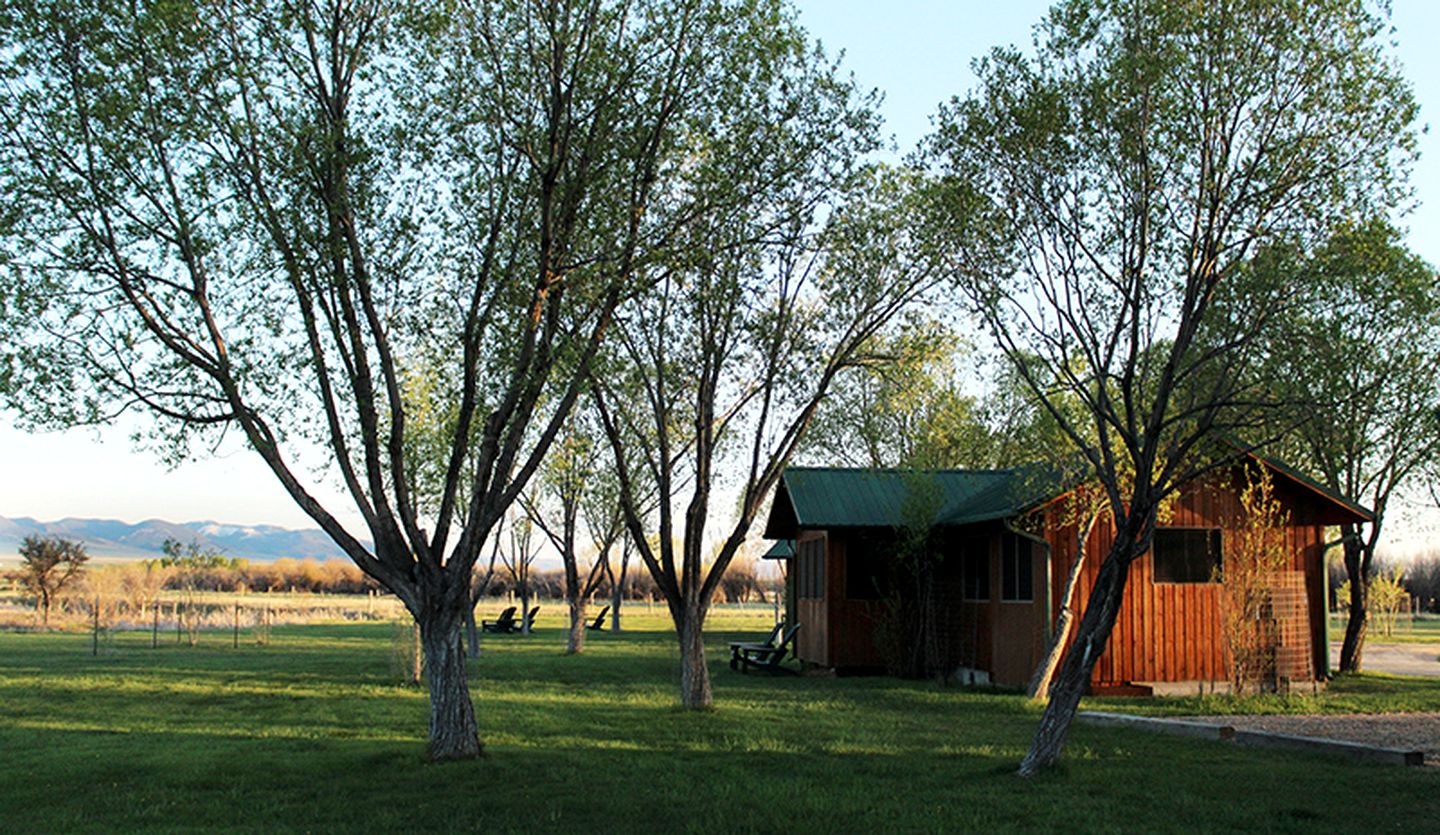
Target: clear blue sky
(918, 53)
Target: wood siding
(1171, 632)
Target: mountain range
(113, 538)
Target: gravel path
(1408, 731)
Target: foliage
(1255, 552)
(714, 382)
(310, 224)
(1127, 173)
(1386, 597)
(1357, 368)
(49, 565)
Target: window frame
(982, 545)
(1017, 551)
(1215, 537)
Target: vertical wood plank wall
(1172, 631)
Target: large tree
(260, 217)
(1131, 165)
(716, 378)
(1359, 369)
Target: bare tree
(1129, 171)
(260, 217)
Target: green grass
(312, 734)
(1408, 629)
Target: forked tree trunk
(1100, 614)
(694, 673)
(453, 733)
(1352, 649)
(576, 642)
(615, 597)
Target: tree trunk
(453, 733)
(472, 632)
(616, 596)
(694, 674)
(1040, 682)
(1100, 614)
(1353, 647)
(525, 613)
(576, 643)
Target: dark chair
(767, 657)
(529, 622)
(504, 623)
(769, 643)
(599, 622)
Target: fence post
(95, 635)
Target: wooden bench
(766, 658)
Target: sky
(917, 53)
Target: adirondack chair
(769, 659)
(599, 622)
(737, 647)
(529, 619)
(504, 623)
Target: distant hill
(112, 538)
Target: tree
(731, 360)
(564, 479)
(1128, 171)
(260, 217)
(49, 565)
(906, 408)
(1254, 556)
(1358, 368)
(517, 559)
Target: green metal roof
(783, 549)
(828, 497)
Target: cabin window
(810, 556)
(1187, 555)
(1017, 570)
(975, 568)
(865, 575)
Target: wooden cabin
(1002, 548)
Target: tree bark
(453, 733)
(1074, 679)
(1039, 685)
(576, 643)
(1352, 649)
(472, 633)
(695, 690)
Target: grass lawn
(1407, 629)
(311, 733)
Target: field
(313, 732)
